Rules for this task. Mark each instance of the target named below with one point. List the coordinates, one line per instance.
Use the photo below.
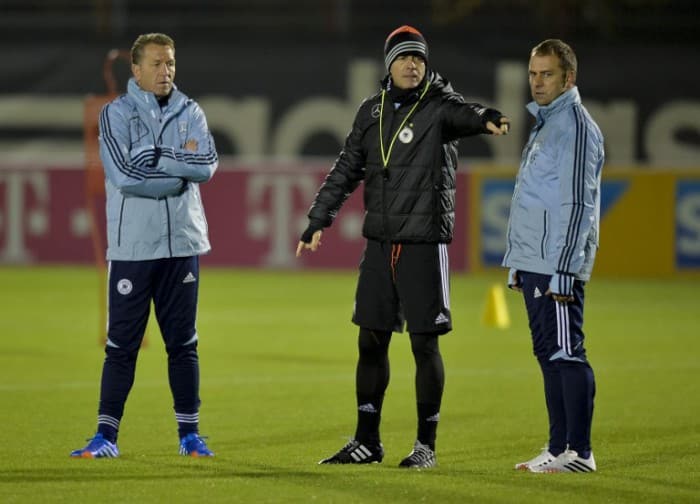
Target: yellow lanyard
(385, 157)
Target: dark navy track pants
(172, 285)
(569, 383)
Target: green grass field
(277, 366)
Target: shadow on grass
(384, 482)
(177, 472)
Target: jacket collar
(147, 101)
(567, 98)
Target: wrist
(562, 284)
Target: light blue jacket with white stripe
(555, 211)
(154, 206)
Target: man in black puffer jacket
(403, 145)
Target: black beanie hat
(404, 40)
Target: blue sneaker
(98, 447)
(193, 445)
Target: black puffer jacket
(412, 198)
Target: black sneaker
(421, 457)
(356, 453)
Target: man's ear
(136, 71)
(570, 79)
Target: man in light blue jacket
(552, 241)
(156, 149)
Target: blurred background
(280, 83)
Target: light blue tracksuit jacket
(555, 212)
(154, 207)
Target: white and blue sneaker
(539, 462)
(193, 445)
(97, 447)
(567, 462)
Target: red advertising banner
(43, 216)
(255, 214)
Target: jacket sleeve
(133, 176)
(462, 119)
(347, 173)
(580, 160)
(195, 166)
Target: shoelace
(352, 444)
(422, 454)
(197, 440)
(101, 445)
(196, 443)
(95, 439)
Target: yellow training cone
(496, 311)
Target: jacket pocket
(141, 225)
(529, 234)
(545, 234)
